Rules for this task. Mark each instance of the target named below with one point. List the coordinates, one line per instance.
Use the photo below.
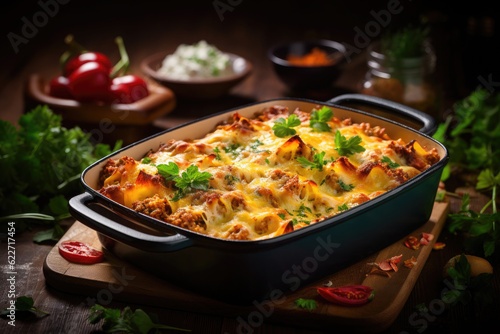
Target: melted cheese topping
(260, 186)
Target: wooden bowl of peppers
(92, 90)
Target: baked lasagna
(261, 177)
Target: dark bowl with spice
(305, 65)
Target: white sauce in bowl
(200, 60)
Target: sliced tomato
(79, 252)
(350, 295)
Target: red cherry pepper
(128, 89)
(125, 88)
(86, 57)
(90, 82)
(58, 87)
(350, 295)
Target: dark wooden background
(466, 42)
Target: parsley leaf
(23, 304)
(126, 321)
(319, 119)
(349, 146)
(391, 164)
(308, 304)
(486, 179)
(146, 160)
(189, 180)
(169, 171)
(283, 127)
(480, 226)
(318, 161)
(345, 186)
(193, 178)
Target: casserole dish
(240, 271)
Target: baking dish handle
(79, 209)
(429, 123)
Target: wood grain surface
(136, 286)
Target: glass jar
(408, 81)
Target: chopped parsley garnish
(319, 119)
(302, 208)
(217, 154)
(255, 147)
(349, 146)
(345, 186)
(283, 127)
(389, 162)
(281, 215)
(295, 221)
(267, 161)
(318, 161)
(146, 160)
(256, 144)
(232, 149)
(231, 179)
(343, 207)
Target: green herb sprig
(391, 164)
(189, 180)
(346, 147)
(472, 136)
(41, 163)
(23, 304)
(466, 289)
(318, 161)
(320, 118)
(283, 127)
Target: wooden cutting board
(121, 281)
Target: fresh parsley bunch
(466, 289)
(41, 162)
(472, 137)
(405, 42)
(127, 321)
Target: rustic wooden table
(247, 29)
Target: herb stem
(494, 199)
(32, 215)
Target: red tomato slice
(79, 252)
